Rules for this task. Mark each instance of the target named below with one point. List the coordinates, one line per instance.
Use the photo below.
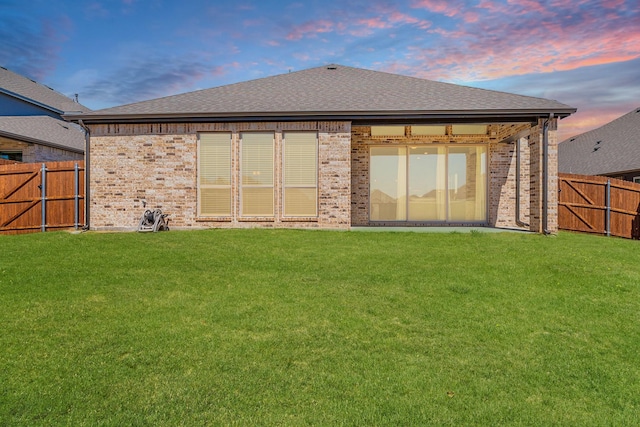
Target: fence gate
(41, 196)
(600, 205)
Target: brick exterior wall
(501, 187)
(552, 217)
(35, 153)
(158, 163)
(537, 178)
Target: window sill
(256, 219)
(299, 219)
(214, 219)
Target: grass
(282, 327)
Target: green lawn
(281, 327)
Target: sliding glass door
(467, 184)
(388, 184)
(428, 183)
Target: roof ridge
(331, 89)
(440, 82)
(216, 87)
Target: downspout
(518, 185)
(87, 188)
(545, 175)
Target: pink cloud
(529, 5)
(443, 7)
(310, 29)
(385, 18)
(589, 119)
(612, 4)
(373, 23)
(537, 40)
(471, 17)
(397, 17)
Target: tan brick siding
(158, 163)
(125, 170)
(503, 185)
(502, 168)
(537, 179)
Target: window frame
(199, 177)
(447, 219)
(388, 131)
(242, 186)
(8, 154)
(284, 171)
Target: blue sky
(582, 53)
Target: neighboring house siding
(159, 165)
(10, 106)
(7, 144)
(42, 153)
(33, 153)
(632, 176)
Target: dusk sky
(582, 53)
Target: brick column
(334, 175)
(552, 181)
(537, 178)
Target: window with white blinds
(257, 174)
(214, 174)
(300, 174)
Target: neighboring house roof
(43, 130)
(27, 90)
(333, 91)
(612, 148)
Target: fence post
(43, 185)
(608, 219)
(75, 198)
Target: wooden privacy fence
(41, 196)
(600, 205)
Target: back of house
(328, 147)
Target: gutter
(359, 117)
(87, 173)
(518, 185)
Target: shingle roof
(43, 130)
(331, 90)
(30, 91)
(612, 148)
